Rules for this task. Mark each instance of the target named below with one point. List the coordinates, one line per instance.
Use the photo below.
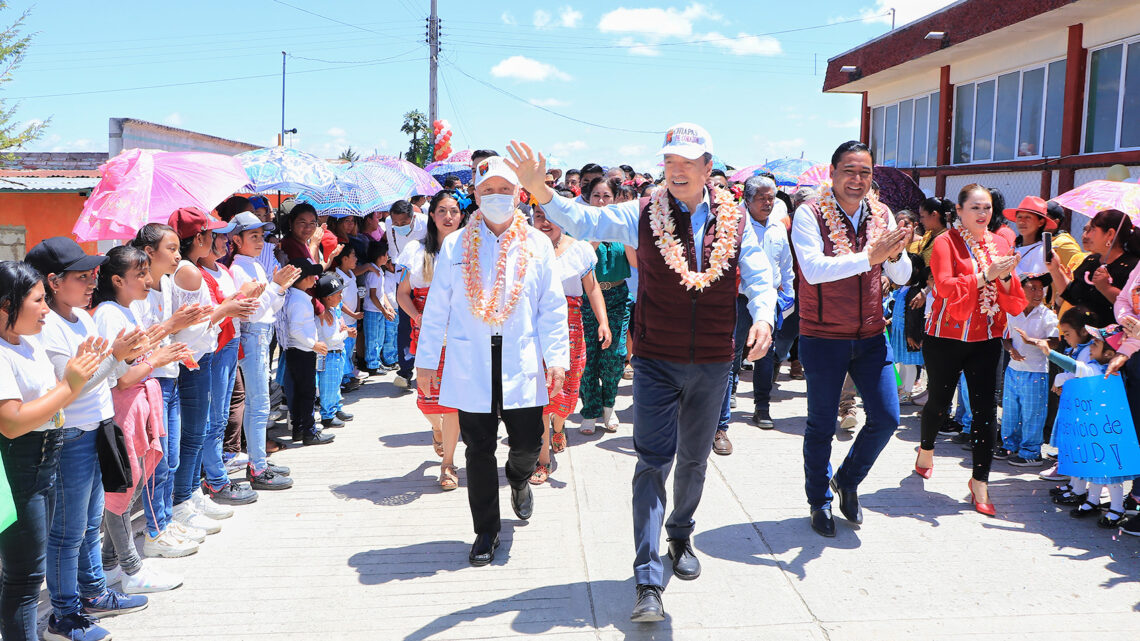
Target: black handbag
(114, 461)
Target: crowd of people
(147, 378)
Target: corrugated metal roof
(47, 183)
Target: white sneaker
(1052, 474)
(113, 576)
(187, 533)
(207, 507)
(237, 463)
(168, 546)
(400, 382)
(148, 579)
(185, 514)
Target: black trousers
(480, 432)
(302, 368)
(945, 360)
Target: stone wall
(11, 242)
(58, 160)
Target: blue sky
(749, 71)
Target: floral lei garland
(837, 231)
(724, 246)
(487, 308)
(983, 253)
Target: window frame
(1124, 45)
(880, 136)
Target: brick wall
(61, 160)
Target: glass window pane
(1054, 109)
(1103, 97)
(877, 131)
(963, 123)
(906, 131)
(984, 120)
(890, 139)
(1130, 118)
(921, 113)
(1005, 129)
(932, 141)
(1032, 97)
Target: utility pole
(433, 67)
(281, 140)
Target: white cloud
(174, 120)
(656, 22)
(847, 124)
(547, 102)
(541, 18)
(561, 149)
(631, 150)
(904, 11)
(527, 69)
(746, 45)
(58, 144)
(773, 149)
(639, 48)
(336, 132)
(569, 18)
(507, 18)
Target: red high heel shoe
(924, 472)
(982, 508)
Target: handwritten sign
(1095, 433)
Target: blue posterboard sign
(1095, 433)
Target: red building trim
(1074, 102)
(945, 115)
(865, 122)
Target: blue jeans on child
(221, 389)
(194, 386)
(380, 336)
(328, 383)
(74, 554)
(1023, 402)
(349, 359)
(255, 339)
(158, 503)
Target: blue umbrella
(787, 170)
(284, 169)
(359, 190)
(443, 170)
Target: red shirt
(956, 313)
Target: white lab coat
(536, 331)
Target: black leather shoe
(316, 437)
(848, 503)
(522, 500)
(332, 422)
(761, 419)
(686, 565)
(822, 522)
(344, 416)
(483, 549)
(648, 608)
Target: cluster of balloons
(442, 140)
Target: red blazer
(956, 312)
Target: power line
(324, 17)
(458, 114)
(357, 62)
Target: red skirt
(564, 404)
(427, 403)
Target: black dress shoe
(316, 437)
(344, 416)
(522, 500)
(822, 522)
(483, 549)
(332, 422)
(848, 503)
(761, 419)
(648, 608)
(686, 565)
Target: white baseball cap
(495, 166)
(688, 140)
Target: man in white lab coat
(497, 277)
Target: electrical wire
(324, 17)
(458, 113)
(356, 62)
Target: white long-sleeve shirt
(246, 269)
(298, 322)
(818, 268)
(332, 335)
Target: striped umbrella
(815, 176)
(741, 175)
(787, 170)
(284, 169)
(424, 184)
(358, 190)
(442, 170)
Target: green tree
(417, 126)
(13, 48)
(349, 155)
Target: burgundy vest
(851, 308)
(676, 324)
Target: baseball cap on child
(1112, 335)
(687, 140)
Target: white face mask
(497, 208)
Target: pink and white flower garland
(724, 245)
(837, 231)
(983, 253)
(485, 308)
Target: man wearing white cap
(692, 241)
(496, 277)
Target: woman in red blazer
(974, 289)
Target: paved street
(367, 547)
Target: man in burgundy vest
(683, 341)
(844, 241)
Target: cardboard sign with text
(1095, 433)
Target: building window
(1113, 105)
(904, 134)
(1014, 116)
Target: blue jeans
(740, 338)
(962, 412)
(194, 387)
(328, 383)
(30, 463)
(1024, 397)
(255, 339)
(675, 412)
(221, 389)
(785, 337)
(350, 359)
(826, 363)
(158, 501)
(74, 554)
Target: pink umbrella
(141, 186)
(741, 175)
(1098, 195)
(816, 175)
(425, 184)
(463, 155)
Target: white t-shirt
(378, 282)
(578, 260)
(26, 372)
(157, 308)
(110, 319)
(350, 296)
(61, 339)
(390, 285)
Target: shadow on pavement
(410, 439)
(420, 560)
(761, 542)
(399, 490)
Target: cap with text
(687, 140)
